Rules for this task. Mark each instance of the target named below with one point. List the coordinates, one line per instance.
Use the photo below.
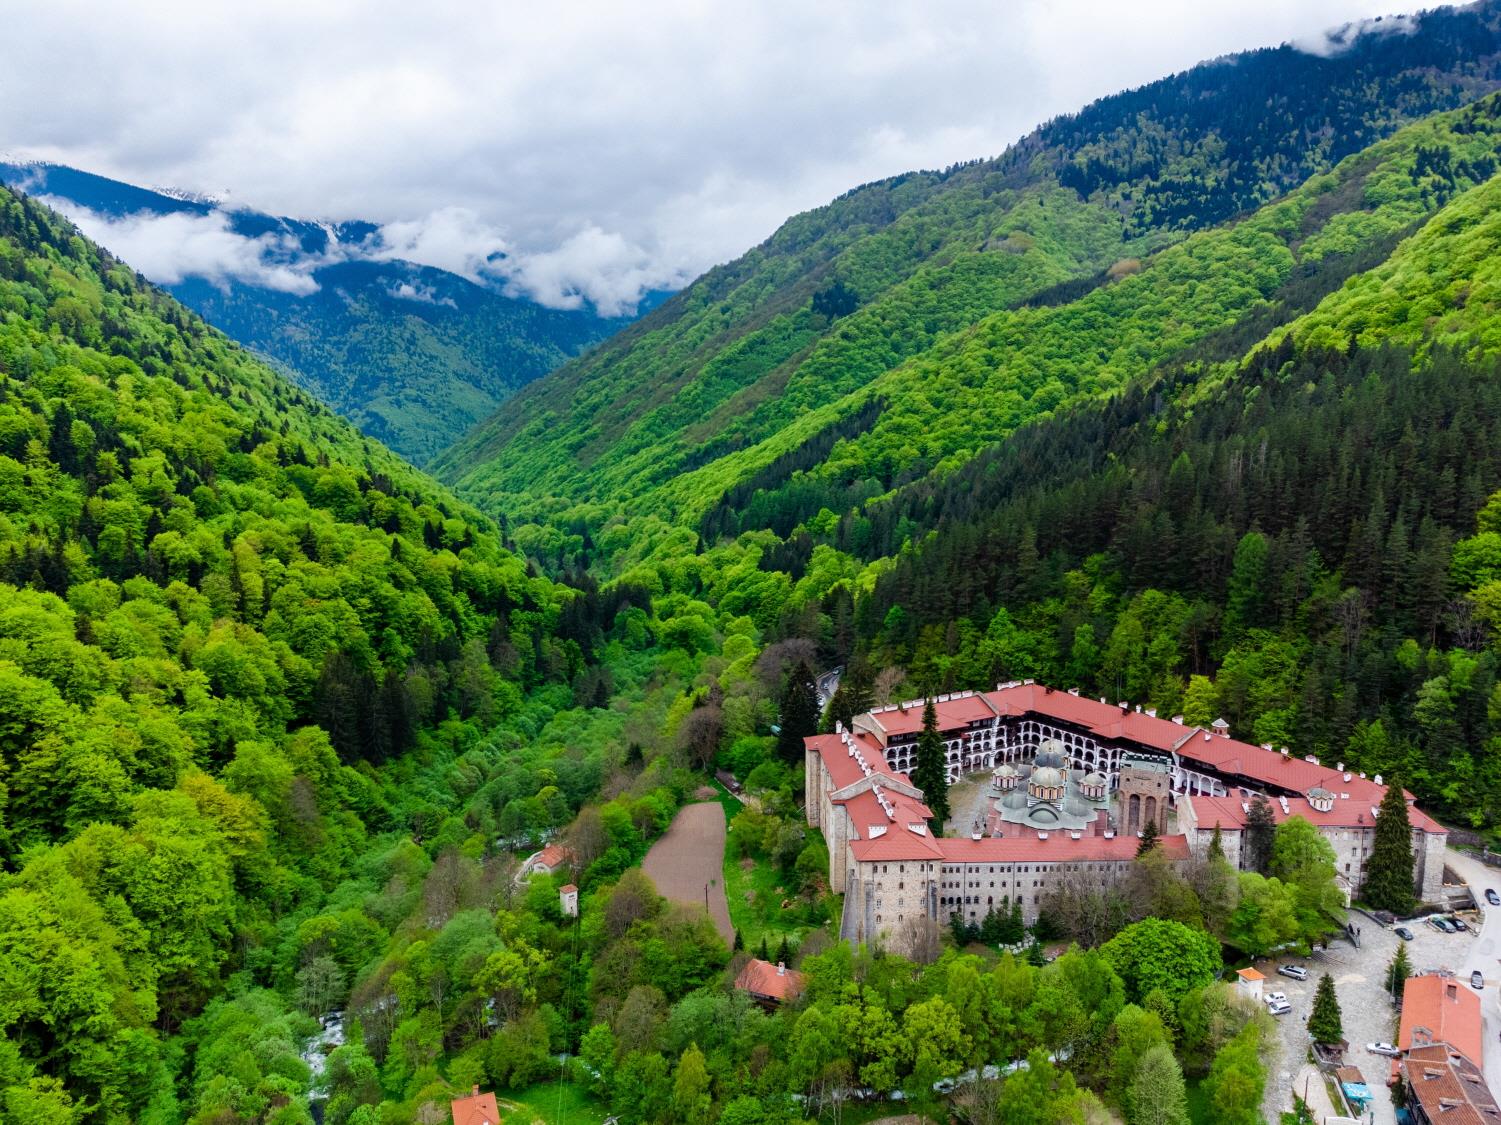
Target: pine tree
(931, 772)
(1260, 827)
(739, 941)
(1148, 839)
(1398, 971)
(1013, 927)
(991, 928)
(799, 714)
(763, 953)
(1324, 1022)
(1216, 845)
(784, 953)
(1389, 872)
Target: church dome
(1045, 777)
(1321, 799)
(1004, 770)
(1092, 785)
(1049, 755)
(1004, 777)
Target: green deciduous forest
(1203, 422)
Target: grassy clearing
(551, 1103)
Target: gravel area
(1367, 1010)
(687, 864)
(969, 800)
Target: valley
(925, 665)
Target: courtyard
(1368, 1012)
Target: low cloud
(452, 238)
(592, 266)
(1338, 40)
(171, 248)
(602, 268)
(425, 294)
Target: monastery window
(901, 885)
(902, 870)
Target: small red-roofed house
(476, 1109)
(549, 861)
(769, 984)
(1250, 982)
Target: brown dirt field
(689, 858)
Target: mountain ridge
(413, 354)
(927, 254)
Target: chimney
(1377, 779)
(474, 1091)
(1339, 767)
(781, 968)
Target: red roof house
(769, 983)
(1437, 1009)
(476, 1109)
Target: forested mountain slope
(197, 563)
(413, 355)
(879, 288)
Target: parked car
(1279, 1009)
(1477, 981)
(1274, 998)
(1404, 933)
(1440, 924)
(1458, 924)
(1385, 917)
(1386, 1049)
(1492, 897)
(1297, 972)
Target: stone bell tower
(1144, 790)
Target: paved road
(1484, 954)
(826, 685)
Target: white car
(1274, 998)
(1279, 1008)
(1386, 1049)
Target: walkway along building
(1076, 780)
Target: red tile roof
(1348, 812)
(865, 811)
(842, 766)
(1449, 1087)
(553, 855)
(1107, 721)
(1449, 1011)
(761, 978)
(956, 711)
(477, 1109)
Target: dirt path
(688, 862)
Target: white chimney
(1377, 779)
(781, 969)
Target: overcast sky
(604, 147)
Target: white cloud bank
(170, 248)
(600, 147)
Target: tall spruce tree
(1398, 971)
(1148, 839)
(1325, 1023)
(1389, 872)
(799, 714)
(931, 772)
(1261, 828)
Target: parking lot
(1368, 1013)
